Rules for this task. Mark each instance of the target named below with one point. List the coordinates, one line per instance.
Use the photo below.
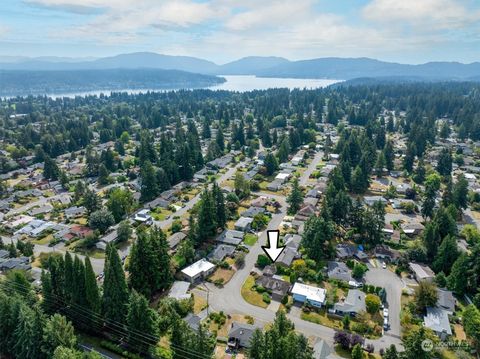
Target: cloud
(427, 14)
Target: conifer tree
(295, 198)
(142, 322)
(92, 294)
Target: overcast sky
(408, 31)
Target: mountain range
(330, 67)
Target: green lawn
(321, 318)
(250, 295)
(250, 239)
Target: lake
(240, 83)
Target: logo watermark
(428, 345)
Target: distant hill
(250, 65)
(22, 83)
(346, 69)
(329, 67)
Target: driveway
(393, 286)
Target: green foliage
(101, 219)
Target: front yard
(251, 295)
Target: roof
(242, 332)
(339, 270)
(287, 256)
(421, 272)
(243, 222)
(230, 236)
(321, 350)
(221, 251)
(313, 294)
(198, 267)
(179, 290)
(437, 320)
(176, 238)
(292, 241)
(446, 300)
(353, 303)
(273, 284)
(252, 211)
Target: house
(74, 212)
(80, 231)
(275, 185)
(4, 254)
(421, 272)
(46, 208)
(143, 216)
(239, 335)
(230, 236)
(259, 202)
(371, 200)
(221, 251)
(110, 237)
(198, 270)
(278, 287)
(345, 250)
(158, 202)
(339, 271)
(446, 300)
(437, 320)
(304, 293)
(253, 211)
(412, 228)
(282, 177)
(63, 235)
(292, 243)
(22, 263)
(193, 321)
(179, 290)
(243, 224)
(175, 239)
(382, 251)
(305, 212)
(321, 350)
(220, 162)
(352, 304)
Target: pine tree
(221, 215)
(58, 331)
(148, 179)
(91, 201)
(28, 334)
(206, 225)
(115, 291)
(92, 293)
(142, 323)
(446, 255)
(389, 155)
(50, 169)
(69, 277)
(271, 163)
(295, 198)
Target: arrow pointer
(272, 250)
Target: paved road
(393, 285)
(303, 181)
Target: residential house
(437, 320)
(421, 272)
(353, 304)
(259, 201)
(175, 239)
(412, 228)
(74, 212)
(305, 212)
(304, 293)
(339, 271)
(22, 263)
(179, 290)
(239, 335)
(4, 254)
(80, 231)
(252, 211)
(446, 300)
(43, 209)
(230, 236)
(278, 287)
(371, 200)
(198, 270)
(382, 251)
(243, 224)
(275, 185)
(221, 251)
(321, 350)
(143, 216)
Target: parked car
(385, 312)
(385, 324)
(384, 265)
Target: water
(240, 83)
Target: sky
(406, 31)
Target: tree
(242, 187)
(271, 163)
(431, 239)
(206, 223)
(357, 352)
(447, 254)
(103, 175)
(317, 236)
(471, 322)
(141, 319)
(426, 295)
(257, 345)
(359, 269)
(420, 172)
(444, 165)
(391, 352)
(413, 344)
(27, 336)
(389, 155)
(456, 280)
(124, 231)
(220, 215)
(372, 303)
(120, 202)
(360, 180)
(92, 293)
(50, 169)
(295, 198)
(58, 331)
(380, 165)
(115, 292)
(148, 180)
(91, 201)
(101, 220)
(460, 192)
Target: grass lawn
(343, 353)
(44, 241)
(250, 295)
(160, 215)
(199, 303)
(220, 273)
(250, 239)
(321, 318)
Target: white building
(307, 294)
(143, 216)
(198, 270)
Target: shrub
(372, 303)
(263, 261)
(285, 299)
(266, 298)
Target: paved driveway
(393, 285)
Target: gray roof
(193, 321)
(292, 241)
(179, 290)
(437, 320)
(242, 333)
(243, 222)
(3, 253)
(287, 256)
(275, 285)
(252, 211)
(446, 300)
(353, 303)
(321, 350)
(221, 251)
(339, 271)
(230, 236)
(176, 238)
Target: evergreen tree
(295, 198)
(257, 345)
(92, 293)
(220, 140)
(447, 255)
(28, 333)
(420, 172)
(444, 165)
(460, 192)
(50, 169)
(456, 280)
(389, 155)
(103, 175)
(317, 236)
(91, 201)
(148, 180)
(221, 215)
(142, 324)
(58, 331)
(271, 163)
(115, 291)
(206, 224)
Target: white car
(385, 312)
(384, 265)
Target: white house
(307, 294)
(143, 216)
(198, 270)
